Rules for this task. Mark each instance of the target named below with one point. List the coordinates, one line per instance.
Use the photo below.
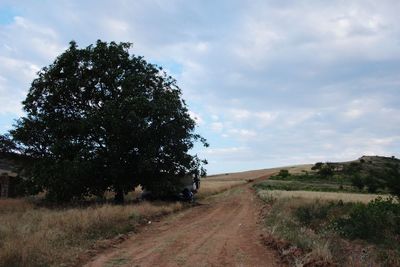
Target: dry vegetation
(308, 227)
(209, 188)
(36, 236)
(31, 236)
(313, 195)
(215, 184)
(305, 246)
(251, 175)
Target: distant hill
(378, 160)
(367, 164)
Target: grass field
(251, 175)
(210, 187)
(305, 223)
(322, 196)
(32, 236)
(329, 222)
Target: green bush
(378, 221)
(319, 214)
(357, 181)
(294, 185)
(310, 213)
(283, 173)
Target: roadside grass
(334, 228)
(313, 195)
(306, 186)
(219, 183)
(9, 205)
(210, 187)
(311, 177)
(32, 236)
(283, 225)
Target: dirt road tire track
(222, 231)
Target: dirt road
(223, 230)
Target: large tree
(101, 119)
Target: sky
(270, 83)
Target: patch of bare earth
(224, 230)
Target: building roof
(8, 173)
(6, 167)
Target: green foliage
(310, 213)
(375, 174)
(302, 185)
(326, 170)
(384, 178)
(392, 176)
(99, 119)
(378, 221)
(357, 181)
(6, 144)
(372, 183)
(283, 173)
(318, 214)
(317, 166)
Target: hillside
(368, 163)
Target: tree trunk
(119, 196)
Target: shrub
(373, 183)
(357, 181)
(377, 221)
(318, 213)
(315, 211)
(317, 166)
(283, 173)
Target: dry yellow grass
(215, 184)
(312, 195)
(45, 237)
(246, 175)
(32, 236)
(14, 205)
(210, 187)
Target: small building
(7, 185)
(8, 178)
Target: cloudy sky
(271, 83)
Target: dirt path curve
(223, 231)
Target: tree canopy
(101, 119)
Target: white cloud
(240, 114)
(354, 113)
(360, 107)
(245, 134)
(297, 117)
(261, 118)
(229, 151)
(217, 127)
(255, 41)
(215, 117)
(115, 27)
(18, 75)
(265, 118)
(23, 36)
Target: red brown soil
(224, 230)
